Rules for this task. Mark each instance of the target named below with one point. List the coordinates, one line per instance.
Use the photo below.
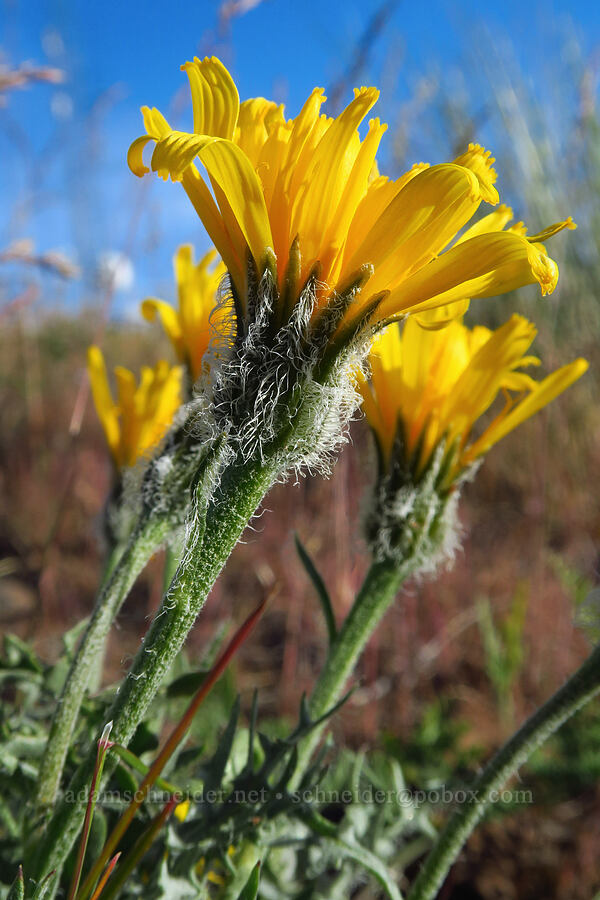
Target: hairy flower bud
(427, 389)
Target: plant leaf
(17, 888)
(214, 770)
(250, 890)
(320, 588)
(187, 684)
(354, 851)
(44, 886)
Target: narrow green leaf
(144, 739)
(8, 820)
(354, 852)
(252, 732)
(250, 890)
(17, 888)
(320, 588)
(71, 637)
(103, 746)
(137, 852)
(187, 684)
(290, 768)
(215, 769)
(19, 674)
(314, 723)
(370, 863)
(18, 654)
(136, 763)
(44, 886)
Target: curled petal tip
(135, 159)
(480, 161)
(546, 272)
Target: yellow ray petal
(135, 158)
(307, 130)
(208, 211)
(183, 266)
(157, 399)
(333, 241)
(156, 127)
(155, 123)
(230, 169)
(379, 195)
(283, 169)
(552, 230)
(480, 161)
(103, 401)
(495, 221)
(441, 316)
(421, 219)
(484, 266)
(477, 387)
(130, 419)
(328, 174)
(197, 287)
(151, 307)
(518, 382)
(251, 130)
(544, 393)
(518, 228)
(215, 98)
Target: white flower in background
(115, 271)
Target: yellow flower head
(302, 197)
(435, 385)
(142, 414)
(189, 327)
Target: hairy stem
(575, 693)
(120, 577)
(378, 591)
(209, 542)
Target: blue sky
(64, 181)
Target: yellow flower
(303, 197)
(182, 809)
(435, 385)
(142, 414)
(189, 326)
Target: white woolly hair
(162, 482)
(259, 392)
(257, 382)
(416, 520)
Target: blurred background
(462, 659)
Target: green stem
(378, 591)
(173, 552)
(575, 693)
(118, 582)
(169, 748)
(208, 545)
